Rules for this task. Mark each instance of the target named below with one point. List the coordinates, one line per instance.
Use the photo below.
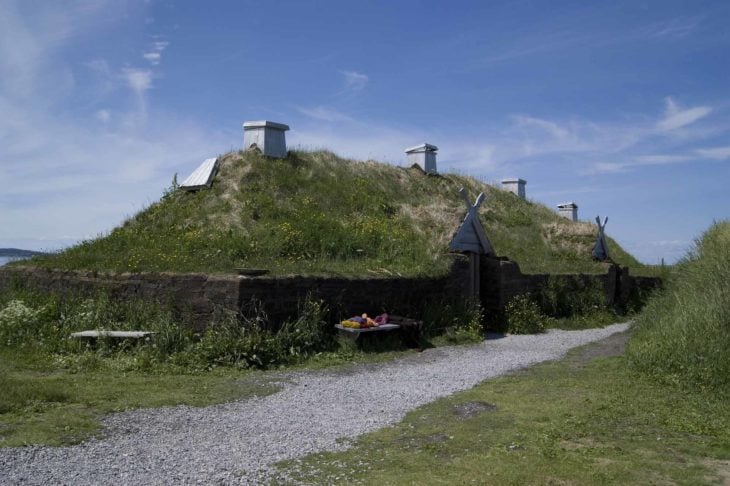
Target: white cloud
(661, 159)
(694, 156)
(715, 153)
(98, 174)
(367, 140)
(154, 55)
(324, 113)
(675, 117)
(674, 28)
(634, 162)
(652, 252)
(100, 67)
(103, 168)
(20, 51)
(607, 168)
(103, 116)
(550, 127)
(138, 80)
(584, 146)
(355, 81)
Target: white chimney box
(424, 156)
(515, 185)
(568, 210)
(267, 136)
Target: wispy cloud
(103, 116)
(99, 172)
(550, 127)
(100, 67)
(354, 81)
(661, 159)
(523, 46)
(377, 140)
(607, 168)
(324, 113)
(653, 252)
(152, 57)
(676, 117)
(672, 28)
(715, 153)
(588, 147)
(569, 192)
(691, 156)
(138, 80)
(154, 54)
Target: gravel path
(238, 442)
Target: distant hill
(16, 253)
(316, 213)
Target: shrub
(563, 296)
(246, 340)
(524, 316)
(19, 323)
(308, 333)
(461, 320)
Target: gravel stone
(239, 442)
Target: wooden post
(474, 274)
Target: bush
(460, 320)
(19, 323)
(247, 341)
(566, 297)
(308, 333)
(524, 316)
(683, 335)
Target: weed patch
(524, 316)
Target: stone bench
(117, 335)
(408, 329)
(354, 334)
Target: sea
(4, 260)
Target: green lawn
(43, 403)
(587, 419)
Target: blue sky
(622, 107)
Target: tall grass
(683, 335)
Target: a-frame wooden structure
(471, 238)
(600, 249)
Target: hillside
(316, 213)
